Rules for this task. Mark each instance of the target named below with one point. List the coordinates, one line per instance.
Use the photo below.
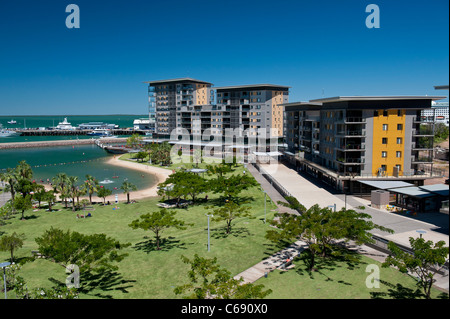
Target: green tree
(24, 171)
(95, 252)
(60, 182)
(39, 194)
(183, 184)
(91, 185)
(425, 258)
(73, 189)
(320, 227)
(141, 156)
(22, 204)
(229, 212)
(157, 222)
(50, 198)
(10, 178)
(209, 281)
(104, 192)
(134, 140)
(128, 187)
(232, 185)
(11, 243)
(441, 132)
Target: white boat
(12, 122)
(65, 125)
(100, 132)
(107, 181)
(7, 133)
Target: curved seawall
(58, 143)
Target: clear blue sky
(319, 48)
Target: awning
(439, 189)
(386, 184)
(412, 191)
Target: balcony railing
(353, 147)
(352, 133)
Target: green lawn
(148, 273)
(341, 279)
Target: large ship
(65, 125)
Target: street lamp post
(265, 206)
(209, 244)
(4, 265)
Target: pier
(60, 143)
(37, 132)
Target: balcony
(423, 132)
(353, 133)
(355, 120)
(350, 160)
(352, 147)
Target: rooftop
(253, 86)
(378, 98)
(176, 80)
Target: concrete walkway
(309, 193)
(273, 262)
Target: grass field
(341, 279)
(150, 274)
(146, 272)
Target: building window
(399, 127)
(399, 113)
(384, 154)
(385, 113)
(399, 167)
(399, 140)
(375, 113)
(385, 127)
(398, 154)
(384, 140)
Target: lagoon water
(77, 160)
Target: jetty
(46, 132)
(60, 143)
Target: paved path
(273, 262)
(270, 190)
(309, 193)
(4, 197)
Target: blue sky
(319, 48)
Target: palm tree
(60, 185)
(10, 177)
(23, 170)
(127, 187)
(91, 185)
(73, 189)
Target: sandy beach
(160, 175)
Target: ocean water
(123, 121)
(49, 121)
(77, 160)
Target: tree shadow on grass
(397, 291)
(324, 266)
(238, 232)
(108, 280)
(165, 244)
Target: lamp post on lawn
(209, 244)
(265, 206)
(4, 265)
